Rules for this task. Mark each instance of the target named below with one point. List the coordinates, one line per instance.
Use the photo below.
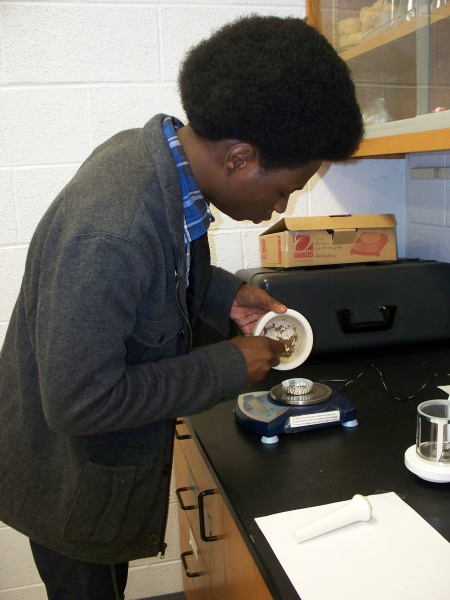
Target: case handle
(185, 567)
(345, 320)
(180, 500)
(177, 435)
(201, 510)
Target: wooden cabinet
(398, 53)
(217, 563)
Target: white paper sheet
(396, 555)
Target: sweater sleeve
(219, 298)
(87, 310)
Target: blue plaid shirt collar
(197, 214)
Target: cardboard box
(340, 239)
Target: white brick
(223, 2)
(172, 496)
(116, 108)
(8, 233)
(223, 221)
(426, 198)
(251, 248)
(172, 540)
(36, 189)
(426, 203)
(271, 3)
(12, 264)
(2, 70)
(35, 592)
(153, 2)
(297, 205)
(17, 567)
(3, 328)
(428, 242)
(183, 27)
(154, 580)
(80, 43)
(99, 1)
(226, 249)
(43, 126)
(364, 186)
(428, 210)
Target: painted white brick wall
(428, 210)
(73, 73)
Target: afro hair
(276, 83)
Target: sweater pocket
(154, 339)
(111, 503)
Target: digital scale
(275, 412)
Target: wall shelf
(407, 67)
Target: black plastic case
(364, 305)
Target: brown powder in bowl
(277, 331)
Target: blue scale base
(259, 413)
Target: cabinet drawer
(196, 581)
(192, 473)
(188, 490)
(198, 587)
(186, 487)
(232, 571)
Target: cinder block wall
(72, 73)
(428, 209)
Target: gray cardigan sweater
(96, 364)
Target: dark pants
(69, 579)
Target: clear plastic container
(433, 431)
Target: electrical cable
(350, 381)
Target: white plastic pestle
(358, 509)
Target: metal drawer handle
(201, 510)
(345, 320)
(185, 567)
(177, 435)
(180, 501)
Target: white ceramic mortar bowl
(291, 327)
